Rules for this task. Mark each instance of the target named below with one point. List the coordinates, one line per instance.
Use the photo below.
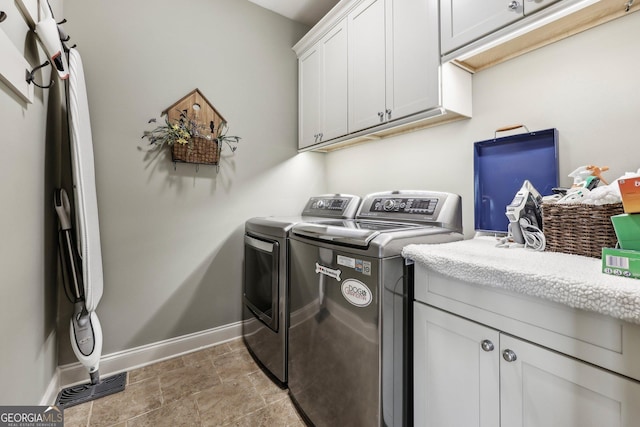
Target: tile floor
(219, 386)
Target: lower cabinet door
(456, 371)
(541, 388)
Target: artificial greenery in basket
(189, 140)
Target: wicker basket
(198, 150)
(578, 228)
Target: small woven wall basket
(198, 150)
(578, 228)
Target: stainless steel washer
(265, 282)
(349, 307)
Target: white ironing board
(86, 202)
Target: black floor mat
(78, 394)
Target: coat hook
(3, 15)
(30, 78)
(67, 48)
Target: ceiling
(306, 11)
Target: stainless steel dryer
(349, 307)
(265, 282)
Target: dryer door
(261, 279)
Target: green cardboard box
(627, 228)
(621, 262)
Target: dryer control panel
(332, 205)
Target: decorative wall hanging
(193, 129)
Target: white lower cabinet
(456, 382)
(467, 374)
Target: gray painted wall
(31, 136)
(586, 86)
(172, 238)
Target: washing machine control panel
(415, 206)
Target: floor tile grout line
(90, 413)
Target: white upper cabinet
(413, 57)
(309, 97)
(334, 83)
(322, 73)
(480, 34)
(463, 21)
(367, 77)
(393, 60)
(531, 6)
(380, 74)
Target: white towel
(573, 280)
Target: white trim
(50, 394)
(75, 373)
(13, 68)
(47, 357)
(330, 20)
(29, 9)
(518, 28)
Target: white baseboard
(126, 360)
(47, 358)
(50, 394)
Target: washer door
(261, 279)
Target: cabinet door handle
(487, 345)
(509, 355)
(514, 5)
(381, 115)
(320, 135)
(388, 111)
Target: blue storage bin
(500, 167)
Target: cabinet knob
(381, 115)
(509, 355)
(514, 5)
(320, 135)
(388, 111)
(487, 345)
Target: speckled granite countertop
(573, 280)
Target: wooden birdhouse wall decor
(203, 147)
(193, 129)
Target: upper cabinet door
(463, 21)
(366, 26)
(309, 97)
(334, 83)
(413, 57)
